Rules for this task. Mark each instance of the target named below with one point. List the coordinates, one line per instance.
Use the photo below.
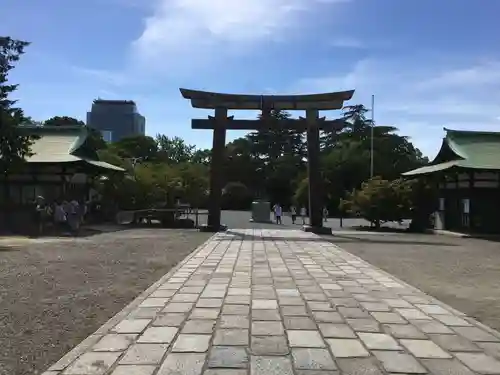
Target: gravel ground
(54, 293)
(462, 272)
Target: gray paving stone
(265, 315)
(359, 366)
(236, 309)
(154, 302)
(158, 335)
(134, 370)
(209, 302)
(424, 349)
(312, 359)
(223, 371)
(290, 301)
(238, 300)
(431, 326)
(403, 331)
(353, 312)
(347, 302)
(114, 342)
(397, 302)
(271, 366)
(480, 362)
(182, 364)
(131, 326)
(454, 343)
(317, 372)
(320, 306)
(267, 328)
(305, 339)
(336, 330)
(92, 363)
(234, 321)
(269, 345)
(299, 322)
(184, 298)
(144, 312)
(314, 297)
(446, 367)
(231, 337)
(198, 326)
(452, 320)
(375, 306)
(389, 318)
(379, 341)
(412, 314)
(364, 325)
(170, 320)
(399, 362)
(204, 313)
(191, 343)
(178, 307)
(228, 357)
(492, 348)
(327, 317)
(264, 304)
(143, 354)
(475, 334)
(191, 289)
(346, 348)
(433, 309)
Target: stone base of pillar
(317, 230)
(212, 229)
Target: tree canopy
(14, 146)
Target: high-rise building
(116, 119)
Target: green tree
(236, 196)
(173, 149)
(380, 201)
(14, 146)
(94, 140)
(138, 147)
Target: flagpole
(371, 136)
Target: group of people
(278, 213)
(66, 215)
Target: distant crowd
(66, 216)
(278, 214)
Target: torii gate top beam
(212, 100)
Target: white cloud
(421, 99)
(180, 28)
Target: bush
(380, 201)
(236, 196)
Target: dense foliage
(14, 147)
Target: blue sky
(430, 63)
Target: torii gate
(312, 124)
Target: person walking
(325, 214)
(303, 214)
(278, 212)
(293, 212)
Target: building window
(107, 135)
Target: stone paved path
(269, 302)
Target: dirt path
(53, 294)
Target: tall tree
(174, 149)
(94, 140)
(136, 147)
(14, 146)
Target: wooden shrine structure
(312, 124)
